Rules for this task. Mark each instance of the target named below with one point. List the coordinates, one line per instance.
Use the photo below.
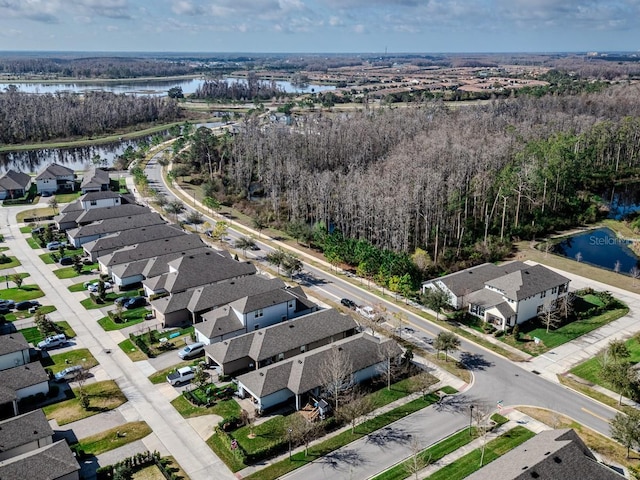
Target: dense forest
(459, 183)
(37, 118)
(251, 89)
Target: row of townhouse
(27, 446)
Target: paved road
(174, 432)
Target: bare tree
(423, 382)
(389, 368)
(416, 462)
(481, 416)
(549, 314)
(355, 407)
(635, 274)
(303, 431)
(336, 375)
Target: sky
(309, 26)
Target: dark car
(349, 303)
(135, 302)
(66, 261)
(121, 300)
(4, 310)
(27, 304)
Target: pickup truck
(181, 375)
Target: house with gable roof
(95, 180)
(54, 178)
(281, 341)
(14, 184)
(299, 377)
(20, 382)
(24, 433)
(503, 295)
(93, 231)
(51, 462)
(252, 313)
(14, 350)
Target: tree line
(459, 184)
(37, 118)
(242, 90)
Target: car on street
(135, 302)
(69, 373)
(27, 304)
(191, 350)
(349, 303)
(53, 341)
(254, 247)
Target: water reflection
(601, 248)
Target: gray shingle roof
(282, 337)
(154, 266)
(262, 300)
(23, 429)
(47, 463)
(300, 373)
(23, 376)
(95, 178)
(527, 282)
(155, 248)
(13, 180)
(104, 213)
(7, 395)
(473, 279)
(112, 225)
(220, 321)
(102, 195)
(550, 455)
(14, 342)
(72, 207)
(133, 236)
(201, 269)
(54, 170)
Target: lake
(146, 87)
(600, 248)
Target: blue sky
(321, 25)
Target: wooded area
(251, 89)
(461, 182)
(36, 118)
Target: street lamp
(470, 418)
(289, 430)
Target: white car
(366, 312)
(93, 287)
(53, 341)
(69, 373)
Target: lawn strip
(103, 396)
(113, 438)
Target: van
(192, 350)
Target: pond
(150, 87)
(623, 200)
(600, 248)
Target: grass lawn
(69, 272)
(561, 335)
(33, 243)
(130, 317)
(47, 258)
(35, 213)
(431, 454)
(20, 314)
(109, 298)
(26, 229)
(113, 438)
(278, 469)
(132, 351)
(606, 447)
(79, 287)
(67, 197)
(26, 292)
(13, 263)
(33, 335)
(590, 370)
(465, 466)
(152, 472)
(60, 361)
(225, 408)
(104, 396)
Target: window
(290, 304)
(280, 357)
(93, 202)
(258, 313)
(256, 326)
(543, 294)
(303, 348)
(554, 290)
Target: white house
(100, 199)
(504, 295)
(55, 178)
(14, 351)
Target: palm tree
(277, 258)
(244, 244)
(175, 208)
(195, 218)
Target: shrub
(4, 259)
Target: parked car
(55, 245)
(181, 375)
(46, 193)
(93, 287)
(38, 230)
(192, 350)
(349, 303)
(7, 303)
(27, 304)
(66, 261)
(4, 310)
(53, 341)
(367, 312)
(135, 302)
(69, 373)
(121, 300)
